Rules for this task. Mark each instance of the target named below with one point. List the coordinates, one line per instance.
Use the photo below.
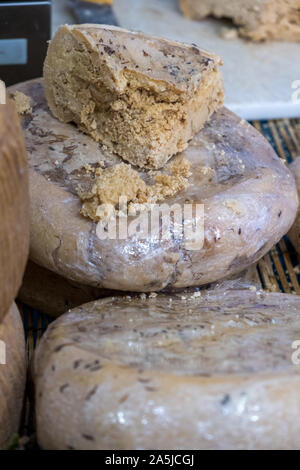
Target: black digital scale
(25, 28)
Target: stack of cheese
(14, 243)
(153, 370)
(141, 99)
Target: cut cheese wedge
(141, 96)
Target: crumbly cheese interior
(109, 185)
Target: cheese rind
(12, 374)
(54, 295)
(142, 97)
(257, 20)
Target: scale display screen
(13, 51)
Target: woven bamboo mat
(279, 270)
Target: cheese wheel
(249, 199)
(216, 371)
(294, 233)
(12, 374)
(53, 295)
(14, 206)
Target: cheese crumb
(113, 183)
(22, 103)
(88, 168)
(153, 295)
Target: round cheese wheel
(12, 374)
(216, 371)
(14, 206)
(53, 295)
(249, 199)
(294, 233)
